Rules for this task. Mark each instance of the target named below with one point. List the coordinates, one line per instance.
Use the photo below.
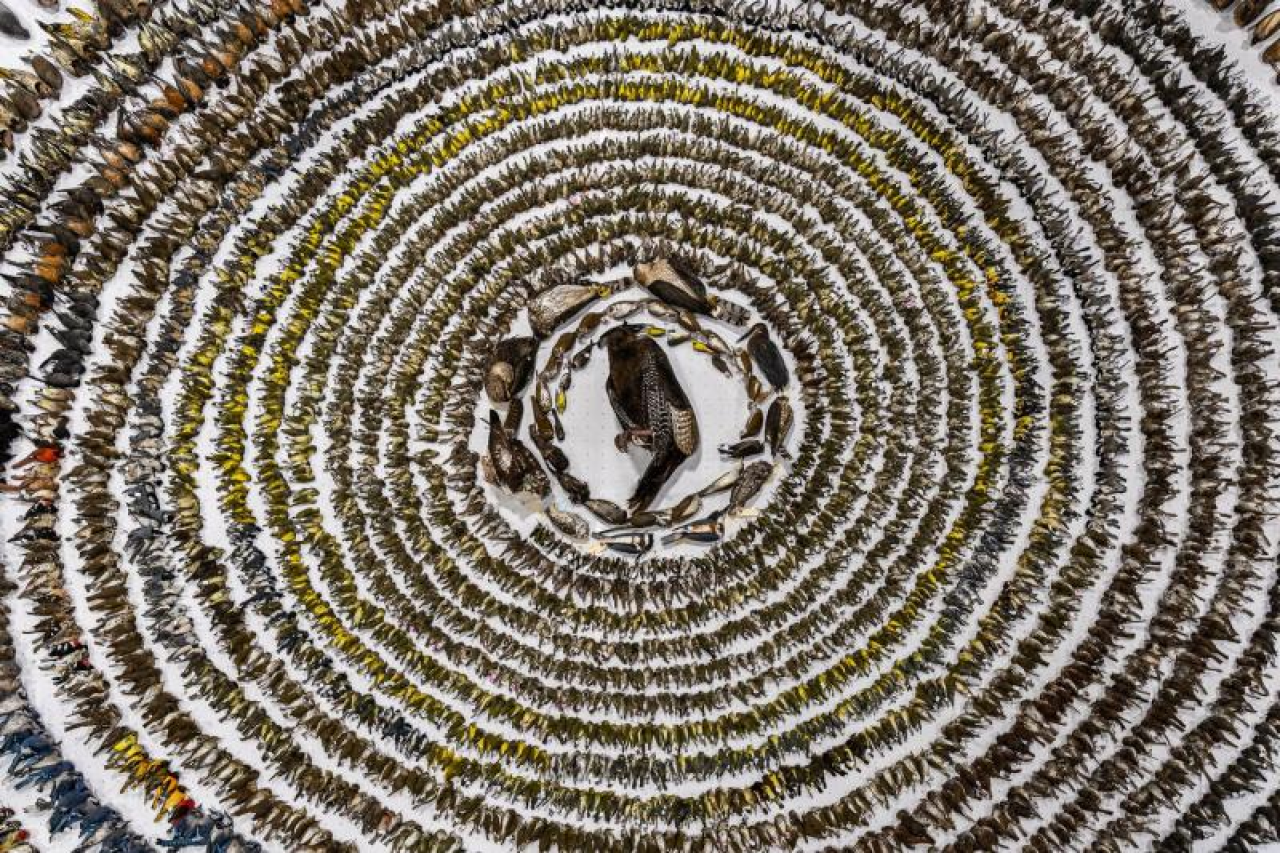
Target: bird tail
(661, 467)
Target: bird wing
(684, 424)
(685, 428)
(627, 405)
(688, 274)
(673, 294)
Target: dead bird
(568, 523)
(633, 546)
(551, 454)
(765, 353)
(636, 521)
(687, 508)
(704, 531)
(749, 484)
(509, 368)
(777, 425)
(581, 358)
(650, 406)
(10, 25)
(607, 511)
(675, 283)
(742, 449)
(549, 309)
(623, 310)
(1266, 28)
(578, 491)
(510, 464)
(722, 483)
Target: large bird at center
(651, 407)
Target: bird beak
(745, 335)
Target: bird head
(618, 336)
(643, 273)
(754, 330)
(498, 382)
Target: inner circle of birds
(636, 322)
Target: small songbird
(509, 368)
(767, 356)
(750, 482)
(704, 531)
(743, 449)
(607, 511)
(510, 464)
(777, 425)
(676, 284)
(651, 407)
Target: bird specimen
(676, 284)
(509, 368)
(766, 355)
(554, 306)
(511, 465)
(651, 407)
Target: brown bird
(765, 353)
(651, 407)
(675, 283)
(777, 425)
(509, 368)
(510, 464)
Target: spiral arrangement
(1012, 584)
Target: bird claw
(626, 438)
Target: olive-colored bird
(509, 368)
(675, 283)
(765, 353)
(510, 464)
(651, 407)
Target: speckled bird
(553, 307)
(749, 484)
(651, 407)
(510, 464)
(509, 368)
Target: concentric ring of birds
(657, 426)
